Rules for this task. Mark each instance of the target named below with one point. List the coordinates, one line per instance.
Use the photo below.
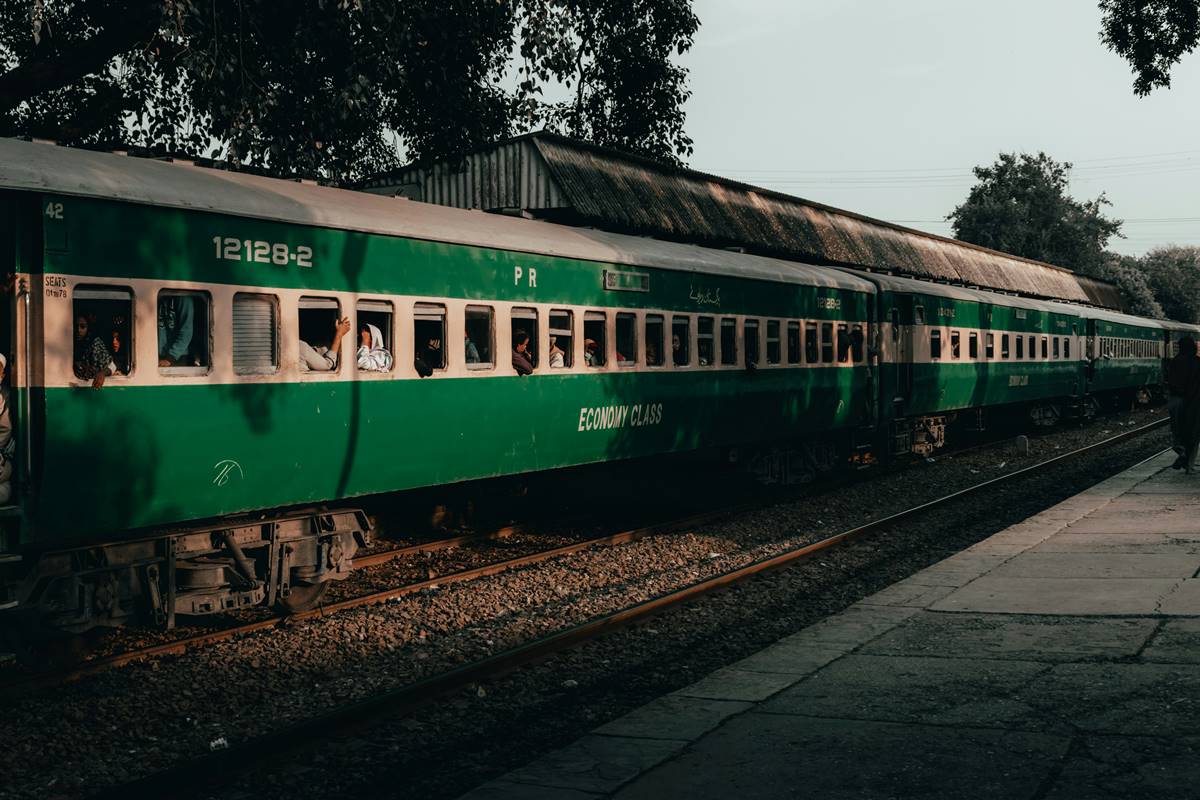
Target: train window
(858, 342)
(935, 343)
(524, 321)
(1032, 346)
(1066, 347)
(955, 344)
(429, 336)
(1045, 349)
(774, 354)
(811, 344)
(1055, 346)
(255, 334)
(1004, 352)
(655, 328)
(704, 341)
(750, 334)
(319, 320)
(729, 354)
(919, 314)
(374, 319)
(562, 339)
(479, 337)
(973, 345)
(843, 343)
(989, 346)
(1020, 347)
(103, 325)
(681, 340)
(184, 333)
(895, 317)
(793, 342)
(595, 342)
(827, 342)
(626, 339)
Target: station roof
(180, 184)
(578, 183)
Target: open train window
(626, 339)
(681, 340)
(184, 332)
(319, 318)
(935, 343)
(479, 337)
(843, 343)
(1020, 347)
(973, 345)
(1066, 347)
(1032, 342)
(429, 337)
(595, 338)
(524, 323)
(793, 342)
(255, 333)
(773, 346)
(729, 354)
(858, 341)
(374, 327)
(103, 330)
(1045, 348)
(1054, 350)
(827, 342)
(812, 344)
(1004, 351)
(750, 334)
(655, 331)
(955, 344)
(704, 341)
(562, 339)
(989, 346)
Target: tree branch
(47, 74)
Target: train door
(900, 319)
(1093, 351)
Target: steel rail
(410, 697)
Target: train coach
(220, 472)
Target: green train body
(198, 488)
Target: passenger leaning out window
(372, 355)
(557, 356)
(175, 325)
(322, 358)
(93, 361)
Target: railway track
(414, 695)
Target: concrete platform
(1058, 659)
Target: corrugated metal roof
(572, 181)
(84, 173)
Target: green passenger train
(214, 466)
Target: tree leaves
(1020, 205)
(1152, 35)
(341, 88)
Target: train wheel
(303, 598)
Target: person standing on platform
(1183, 386)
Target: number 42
(54, 210)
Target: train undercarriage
(284, 562)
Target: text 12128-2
(259, 252)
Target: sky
(883, 107)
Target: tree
(1127, 273)
(1020, 205)
(1152, 35)
(339, 89)
(1174, 274)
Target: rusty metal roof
(579, 183)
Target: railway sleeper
(286, 562)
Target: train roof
(40, 167)
(895, 283)
(1113, 316)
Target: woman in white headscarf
(372, 355)
(7, 444)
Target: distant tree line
(1020, 205)
(344, 88)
